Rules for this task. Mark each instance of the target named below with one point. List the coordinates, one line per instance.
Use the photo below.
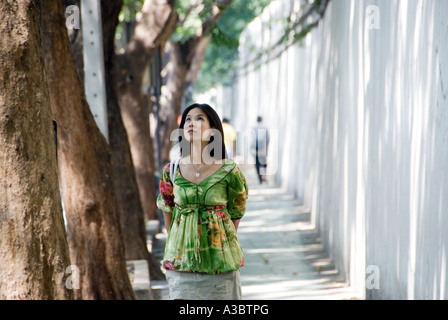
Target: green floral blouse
(202, 237)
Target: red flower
(221, 214)
(167, 265)
(166, 189)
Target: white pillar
(94, 79)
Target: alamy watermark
(372, 277)
(373, 17)
(72, 18)
(253, 146)
(74, 280)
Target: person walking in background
(259, 148)
(229, 138)
(202, 203)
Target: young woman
(203, 203)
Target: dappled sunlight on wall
(361, 113)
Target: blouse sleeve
(165, 199)
(237, 194)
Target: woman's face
(196, 125)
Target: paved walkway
(283, 256)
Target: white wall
(361, 117)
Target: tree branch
(156, 25)
(188, 11)
(221, 6)
(318, 6)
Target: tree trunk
(126, 188)
(183, 64)
(33, 247)
(90, 201)
(157, 24)
(132, 219)
(175, 73)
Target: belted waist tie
(200, 209)
(201, 215)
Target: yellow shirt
(229, 134)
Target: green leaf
(221, 59)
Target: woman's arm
(167, 216)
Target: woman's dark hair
(215, 123)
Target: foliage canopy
(221, 59)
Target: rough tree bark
(132, 218)
(182, 67)
(183, 64)
(33, 247)
(157, 23)
(90, 202)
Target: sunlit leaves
(192, 14)
(128, 13)
(130, 9)
(222, 38)
(221, 58)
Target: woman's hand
(167, 217)
(236, 223)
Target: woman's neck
(197, 154)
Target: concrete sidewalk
(283, 255)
